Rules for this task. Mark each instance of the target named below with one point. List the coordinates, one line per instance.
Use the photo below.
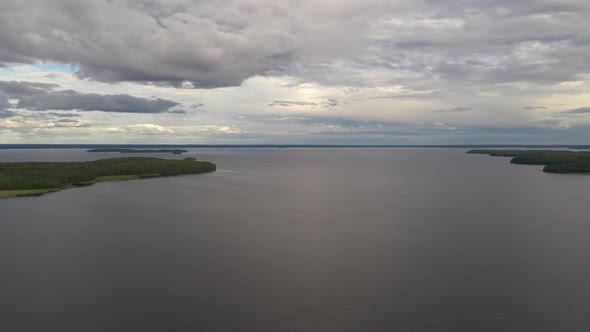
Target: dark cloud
(72, 100)
(6, 114)
(12, 88)
(63, 115)
(71, 123)
(529, 108)
(453, 110)
(330, 103)
(42, 97)
(177, 111)
(4, 102)
(581, 110)
(207, 44)
(215, 44)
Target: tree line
(554, 161)
(45, 175)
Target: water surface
(302, 240)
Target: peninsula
(554, 161)
(173, 151)
(37, 178)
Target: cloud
(199, 107)
(216, 44)
(42, 97)
(63, 115)
(177, 111)
(319, 120)
(150, 41)
(17, 89)
(185, 131)
(327, 104)
(359, 66)
(4, 101)
(72, 100)
(289, 103)
(142, 129)
(180, 109)
(551, 123)
(453, 110)
(20, 123)
(581, 110)
(69, 123)
(6, 114)
(215, 129)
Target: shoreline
(31, 179)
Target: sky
(295, 71)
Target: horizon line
(190, 145)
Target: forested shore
(554, 161)
(38, 177)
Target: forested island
(37, 178)
(554, 161)
(173, 151)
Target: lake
(371, 239)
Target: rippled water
(302, 240)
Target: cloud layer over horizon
(262, 71)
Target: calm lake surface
(302, 240)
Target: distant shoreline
(125, 150)
(563, 162)
(255, 146)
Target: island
(554, 161)
(38, 178)
(173, 151)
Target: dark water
(303, 240)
